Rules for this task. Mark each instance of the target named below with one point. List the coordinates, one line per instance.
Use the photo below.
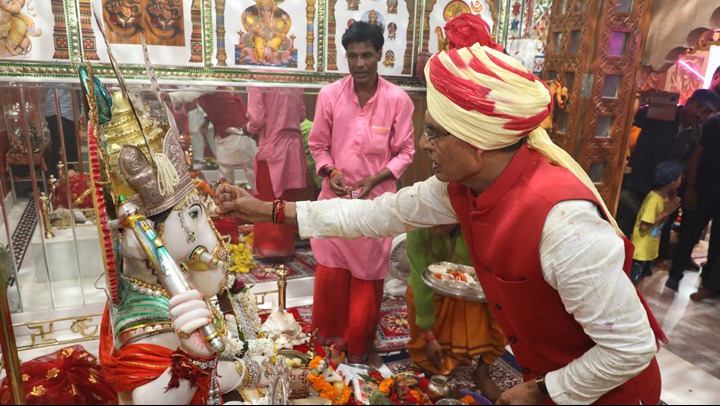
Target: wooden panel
(609, 66)
(594, 50)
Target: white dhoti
(236, 152)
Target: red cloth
(227, 227)
(272, 240)
(225, 110)
(79, 183)
(525, 306)
(346, 310)
(69, 376)
(137, 364)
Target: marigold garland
(315, 362)
(324, 388)
(241, 260)
(343, 398)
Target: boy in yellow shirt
(657, 206)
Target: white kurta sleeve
(423, 204)
(582, 258)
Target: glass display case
(49, 224)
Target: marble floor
(689, 364)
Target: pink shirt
(361, 142)
(276, 114)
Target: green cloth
(305, 128)
(418, 243)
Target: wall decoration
(60, 39)
(266, 33)
(26, 29)
(160, 21)
(397, 19)
(89, 42)
(196, 48)
(438, 13)
(684, 77)
(171, 28)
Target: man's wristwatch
(540, 381)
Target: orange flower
(468, 400)
(343, 398)
(315, 362)
(416, 395)
(324, 388)
(386, 386)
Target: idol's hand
(338, 185)
(189, 312)
(232, 201)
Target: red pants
(272, 240)
(346, 311)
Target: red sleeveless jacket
(503, 228)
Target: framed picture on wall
(397, 18)
(26, 31)
(274, 34)
(438, 12)
(172, 30)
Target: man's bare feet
(485, 383)
(701, 294)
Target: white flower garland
(263, 347)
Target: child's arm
(669, 209)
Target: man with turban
(551, 260)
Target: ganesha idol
(188, 340)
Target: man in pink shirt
(362, 141)
(275, 115)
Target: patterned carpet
(301, 265)
(23, 232)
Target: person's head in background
(715, 82)
(699, 106)
(667, 177)
(363, 44)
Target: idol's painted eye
(194, 212)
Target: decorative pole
(220, 32)
(310, 14)
(45, 205)
(7, 342)
(282, 285)
(196, 54)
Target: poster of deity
(444, 10)
(160, 21)
(171, 28)
(276, 34)
(26, 30)
(395, 17)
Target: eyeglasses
(430, 135)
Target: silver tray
(473, 293)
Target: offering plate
(454, 280)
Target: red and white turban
(489, 100)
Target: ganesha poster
(26, 31)
(439, 12)
(274, 34)
(172, 30)
(395, 17)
